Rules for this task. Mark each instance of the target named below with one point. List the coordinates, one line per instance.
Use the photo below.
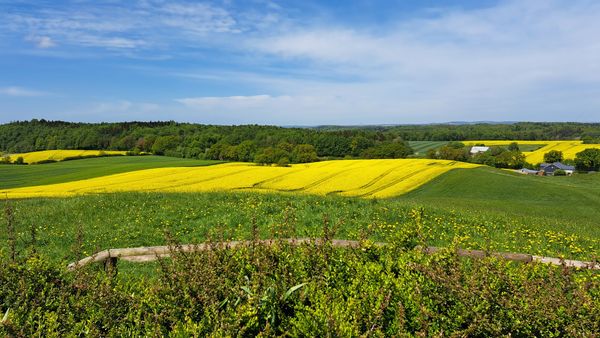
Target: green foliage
(455, 151)
(283, 162)
(271, 155)
(310, 291)
(165, 144)
(304, 153)
(591, 138)
(232, 143)
(560, 172)
(389, 150)
(553, 156)
(485, 131)
(588, 160)
(514, 146)
(500, 157)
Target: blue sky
(300, 62)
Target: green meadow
(484, 208)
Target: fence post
(110, 265)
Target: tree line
(272, 144)
(262, 144)
(588, 132)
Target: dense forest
(487, 131)
(268, 144)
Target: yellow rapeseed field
(59, 155)
(365, 178)
(569, 148)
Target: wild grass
(141, 219)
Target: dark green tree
(304, 153)
(164, 144)
(553, 156)
(514, 146)
(588, 160)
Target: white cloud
(42, 41)
(19, 91)
(509, 62)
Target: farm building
(526, 171)
(550, 168)
(479, 149)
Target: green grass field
(563, 202)
(484, 208)
(421, 147)
(13, 176)
(141, 219)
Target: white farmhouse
(479, 149)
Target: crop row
(366, 178)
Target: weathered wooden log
(151, 253)
(566, 262)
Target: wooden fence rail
(150, 253)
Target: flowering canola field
(363, 178)
(569, 148)
(59, 155)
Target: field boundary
(110, 257)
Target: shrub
(560, 172)
(45, 161)
(310, 290)
(283, 162)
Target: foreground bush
(302, 291)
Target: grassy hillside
(557, 201)
(13, 176)
(141, 219)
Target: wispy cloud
(19, 91)
(216, 100)
(132, 25)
